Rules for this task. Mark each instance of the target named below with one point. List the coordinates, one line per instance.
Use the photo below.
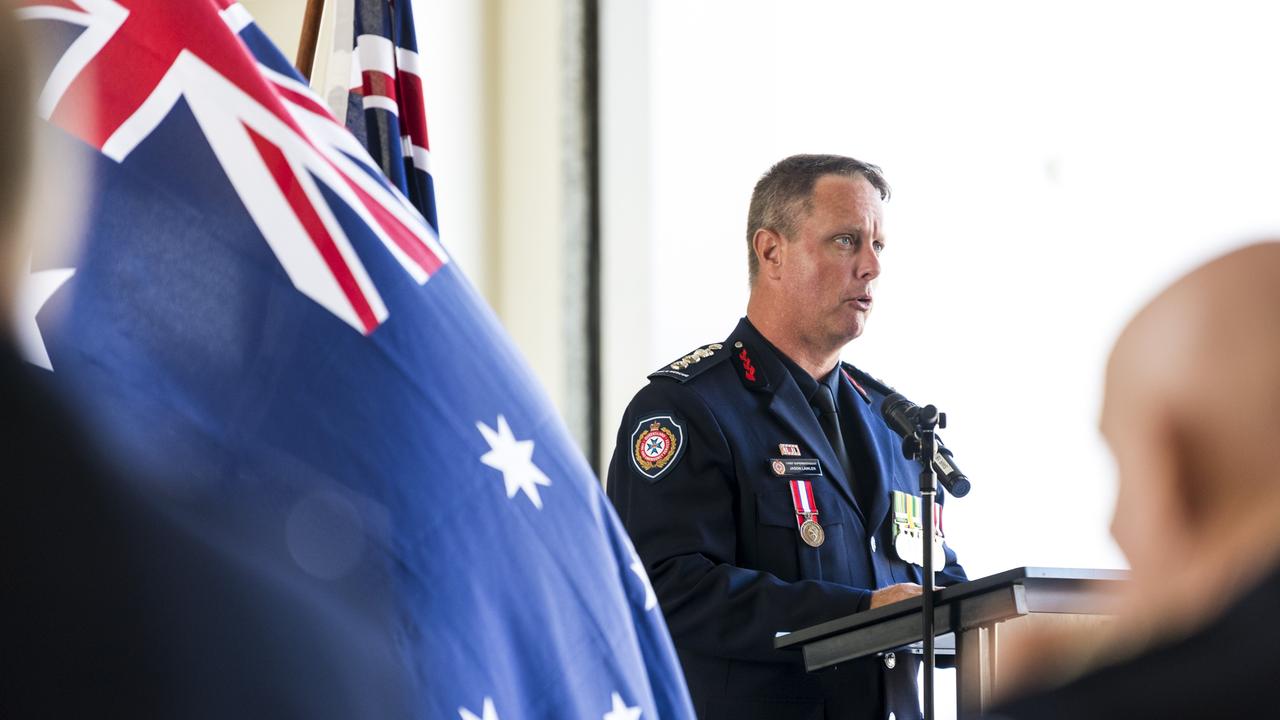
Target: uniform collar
(807, 384)
(764, 367)
(757, 363)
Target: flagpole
(310, 36)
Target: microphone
(900, 414)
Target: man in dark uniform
(761, 487)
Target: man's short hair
(785, 194)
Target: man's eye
(845, 240)
(879, 246)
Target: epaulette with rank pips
(863, 382)
(687, 367)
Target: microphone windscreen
(897, 411)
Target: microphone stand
(923, 446)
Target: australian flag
(257, 310)
(386, 109)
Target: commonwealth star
(514, 458)
(32, 295)
(621, 711)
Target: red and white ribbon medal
(807, 513)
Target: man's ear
(768, 247)
(1197, 506)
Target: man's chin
(847, 334)
(855, 325)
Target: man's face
(831, 261)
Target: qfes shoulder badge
(656, 445)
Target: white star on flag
(620, 710)
(637, 567)
(515, 459)
(34, 293)
(488, 713)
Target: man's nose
(868, 264)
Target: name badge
(795, 467)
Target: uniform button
(873, 544)
(890, 660)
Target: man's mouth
(863, 302)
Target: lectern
(970, 620)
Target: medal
(899, 513)
(902, 546)
(908, 530)
(902, 525)
(812, 533)
(806, 508)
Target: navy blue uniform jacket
(717, 531)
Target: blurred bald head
(1192, 415)
(15, 149)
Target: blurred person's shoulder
(1227, 668)
(121, 600)
(40, 434)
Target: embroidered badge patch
(656, 445)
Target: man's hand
(894, 593)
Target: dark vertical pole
(310, 36)
(926, 421)
(928, 492)
(591, 112)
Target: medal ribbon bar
(802, 498)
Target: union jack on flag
(278, 145)
(257, 309)
(386, 109)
